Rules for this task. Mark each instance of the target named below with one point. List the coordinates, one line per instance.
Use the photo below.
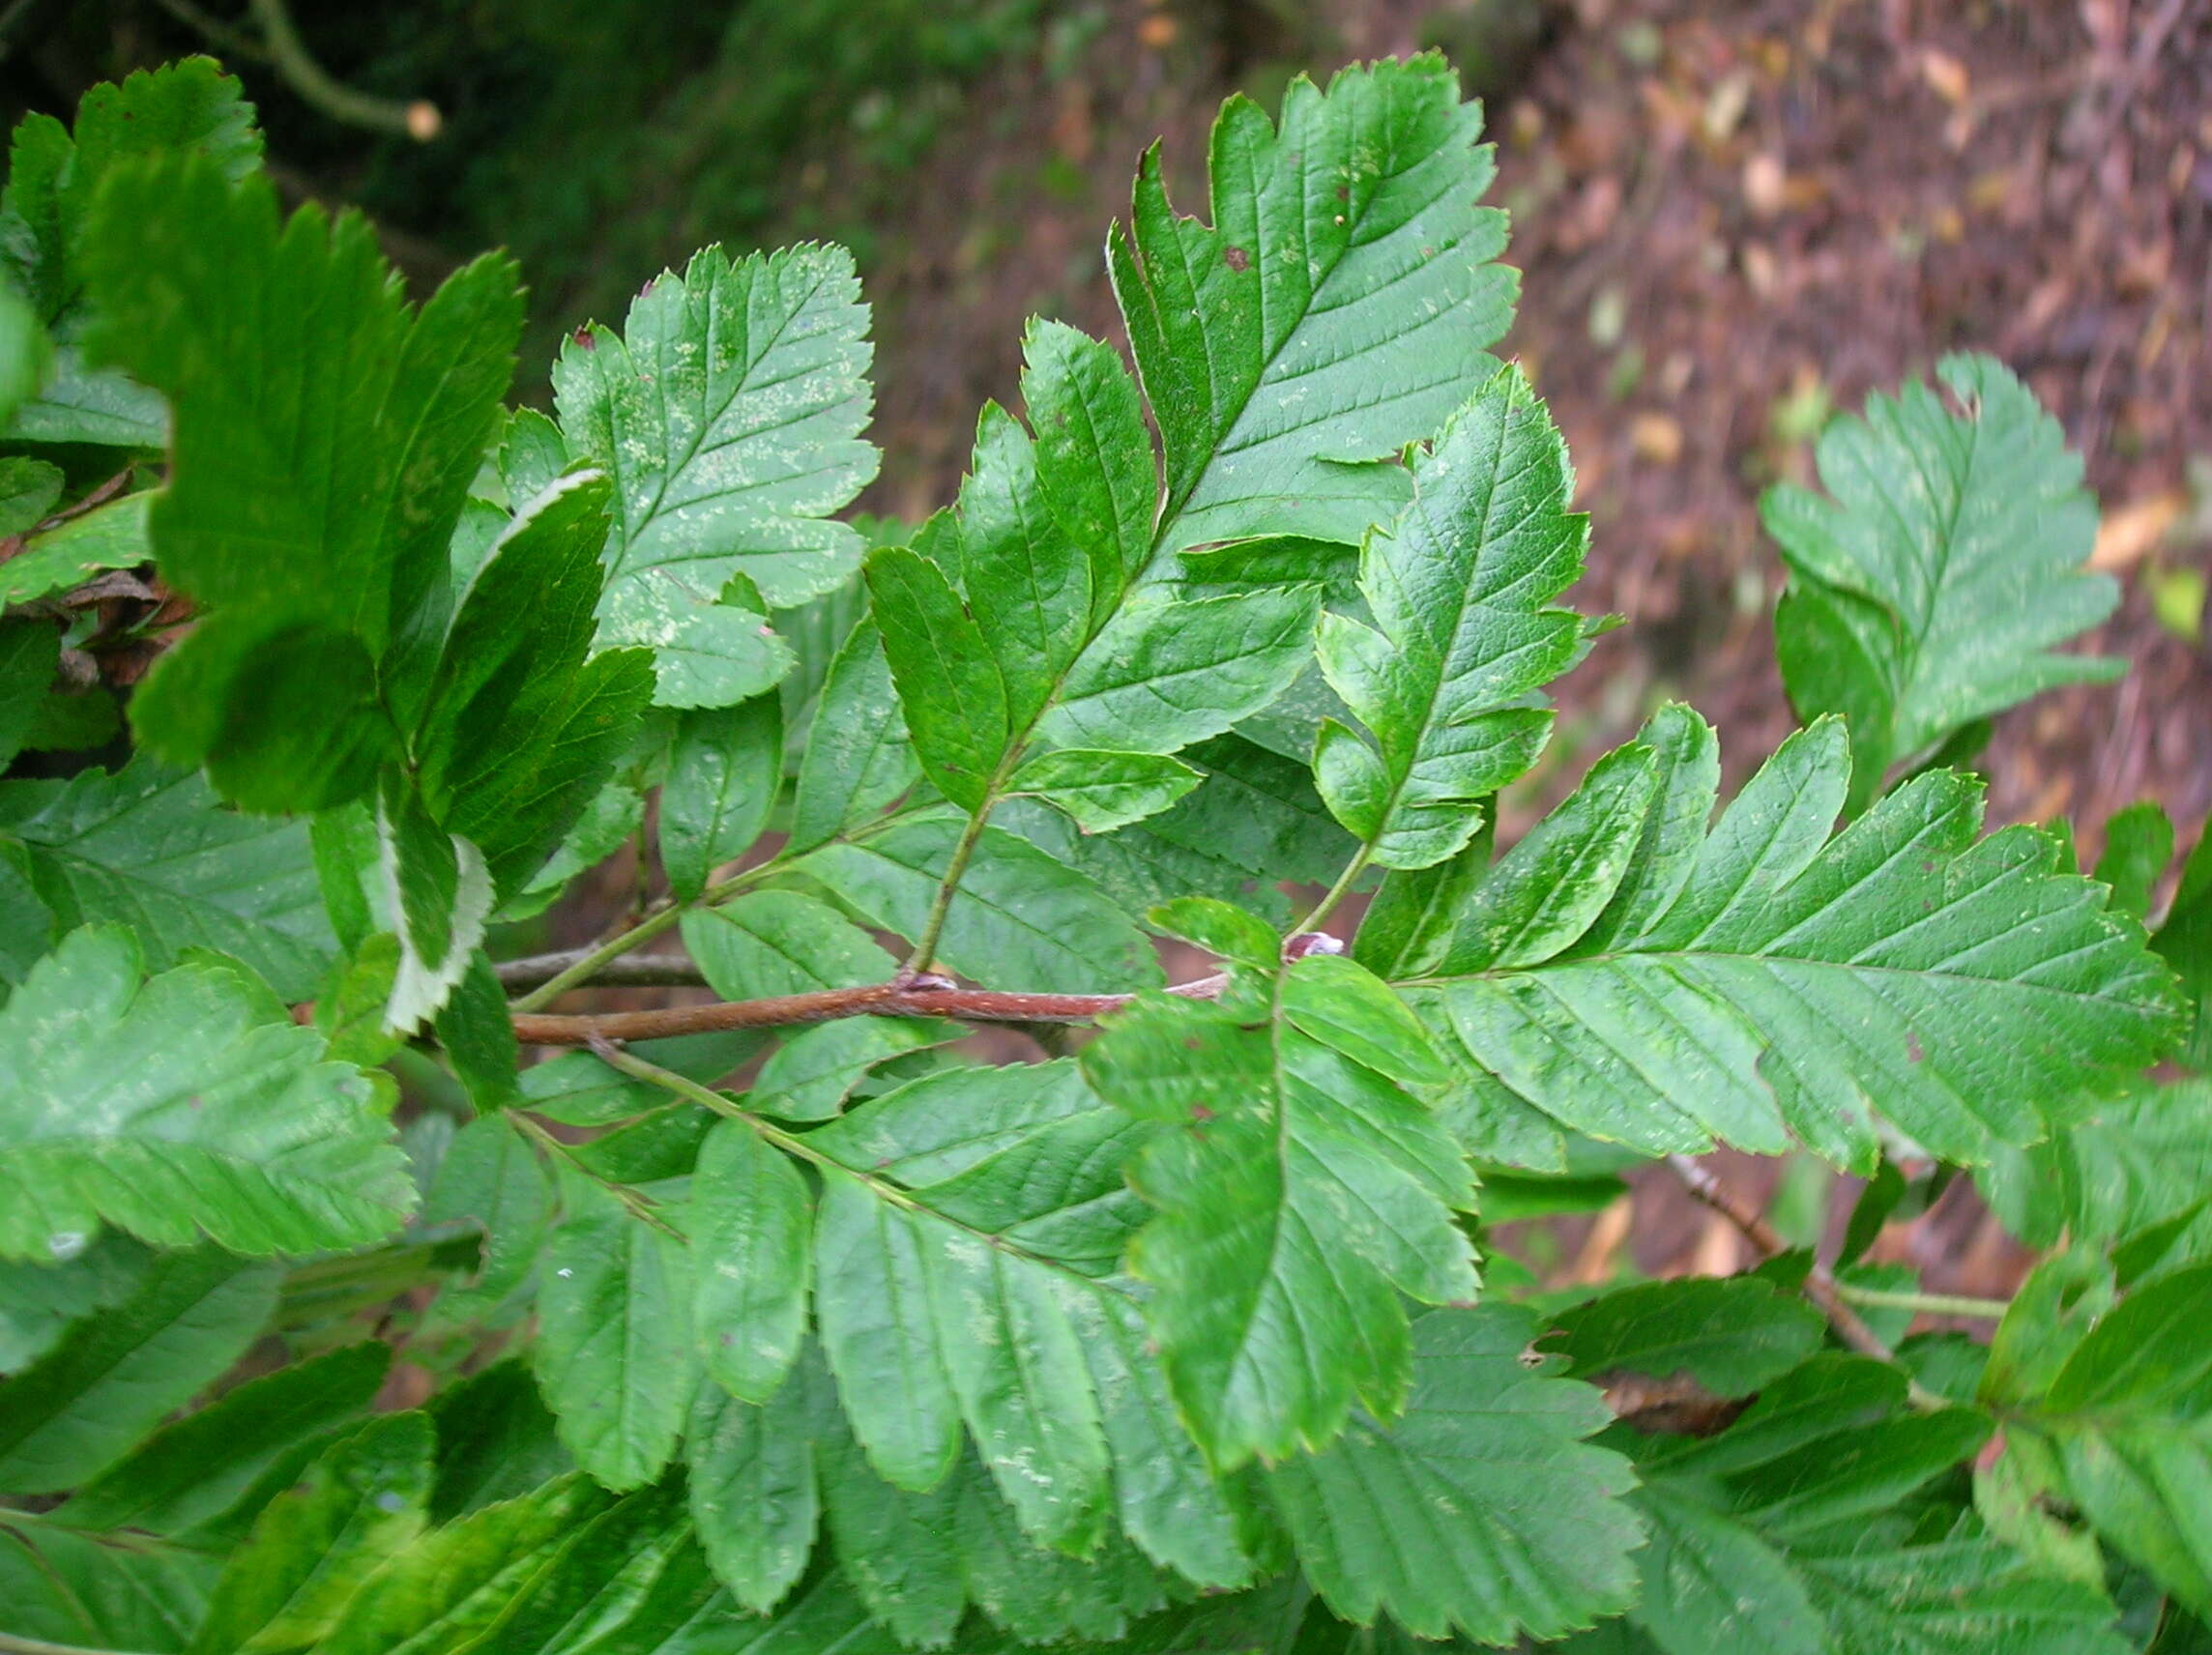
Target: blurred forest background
(1733, 217)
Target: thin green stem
(637, 1206)
(1336, 892)
(1926, 1303)
(316, 84)
(932, 928)
(588, 963)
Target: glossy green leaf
(455, 1585)
(728, 412)
(1457, 590)
(240, 1132)
(614, 1354)
(39, 1298)
(751, 1481)
(2184, 941)
(293, 1580)
(1794, 980)
(112, 1378)
(81, 1590)
(150, 847)
(751, 1219)
(198, 1466)
(811, 1074)
(1095, 467)
(496, 1441)
(30, 650)
(1100, 792)
(2125, 1159)
(777, 941)
(519, 729)
(948, 684)
(1345, 1006)
(1338, 308)
(1020, 921)
(491, 1175)
(1479, 1510)
(725, 770)
(107, 537)
(2139, 841)
(1299, 1197)
(1730, 1335)
(1221, 929)
(1929, 586)
(858, 758)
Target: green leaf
(360, 1506)
(1457, 590)
(40, 1298)
(2184, 941)
(1793, 979)
(112, 1378)
(1220, 929)
(85, 1591)
(1299, 1195)
(751, 1220)
(1101, 792)
(81, 404)
(492, 1175)
(811, 1074)
(1347, 1007)
(2132, 1155)
(2131, 1412)
(872, 1299)
(439, 893)
(1731, 1335)
(858, 758)
(198, 1466)
(768, 943)
(1338, 308)
(1479, 1510)
(28, 490)
(282, 712)
(2138, 842)
(724, 773)
(477, 1032)
(24, 353)
(1795, 1530)
(1165, 673)
(519, 729)
(454, 1586)
(326, 432)
(751, 1481)
(30, 652)
(729, 412)
(1928, 588)
(1020, 919)
(1094, 468)
(1027, 582)
(954, 697)
(150, 847)
(496, 1441)
(238, 1132)
(107, 537)
(614, 1354)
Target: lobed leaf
(1927, 588)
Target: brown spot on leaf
(1235, 258)
(1200, 1113)
(1912, 1052)
(584, 340)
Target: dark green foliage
(819, 1332)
